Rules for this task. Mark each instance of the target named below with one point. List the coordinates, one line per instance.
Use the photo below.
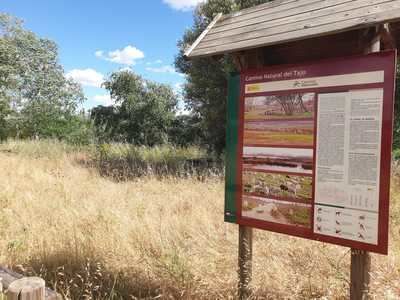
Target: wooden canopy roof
(283, 21)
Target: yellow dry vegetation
(277, 138)
(95, 238)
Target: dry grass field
(253, 137)
(91, 237)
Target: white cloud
(99, 53)
(86, 77)
(103, 99)
(183, 5)
(125, 56)
(162, 69)
(156, 62)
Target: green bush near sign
(396, 154)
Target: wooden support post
(27, 288)
(361, 260)
(245, 261)
(242, 63)
(360, 274)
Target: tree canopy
(36, 99)
(205, 91)
(143, 112)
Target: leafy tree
(105, 121)
(80, 130)
(143, 113)
(186, 130)
(4, 112)
(291, 103)
(206, 89)
(7, 82)
(34, 92)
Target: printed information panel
(314, 150)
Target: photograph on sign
(279, 132)
(278, 107)
(279, 186)
(293, 160)
(276, 211)
(313, 156)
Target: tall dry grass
(124, 161)
(94, 238)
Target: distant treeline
(37, 101)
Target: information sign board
(309, 150)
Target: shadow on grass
(88, 278)
(121, 169)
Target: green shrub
(396, 154)
(124, 161)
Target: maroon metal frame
(366, 63)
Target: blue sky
(98, 37)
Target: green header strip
(231, 148)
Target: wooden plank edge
(216, 34)
(230, 18)
(8, 276)
(299, 26)
(231, 22)
(202, 35)
(206, 53)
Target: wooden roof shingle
(283, 21)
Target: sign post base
(245, 261)
(360, 274)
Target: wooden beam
(387, 38)
(344, 44)
(238, 61)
